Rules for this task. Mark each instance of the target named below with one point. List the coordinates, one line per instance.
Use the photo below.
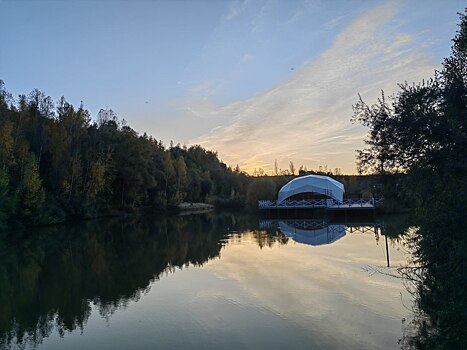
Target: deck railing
(314, 224)
(320, 203)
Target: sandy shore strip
(195, 206)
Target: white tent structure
(312, 183)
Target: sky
(256, 81)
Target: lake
(206, 281)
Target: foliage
(260, 188)
(56, 163)
(425, 125)
(423, 131)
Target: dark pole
(387, 250)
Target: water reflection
(50, 278)
(53, 279)
(318, 232)
(437, 279)
(321, 232)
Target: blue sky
(254, 80)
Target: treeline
(292, 170)
(57, 163)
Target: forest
(56, 163)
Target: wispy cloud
(306, 118)
(334, 22)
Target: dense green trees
(423, 131)
(56, 163)
(425, 125)
(260, 188)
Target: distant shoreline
(189, 206)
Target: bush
(260, 188)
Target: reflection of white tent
(319, 236)
(312, 183)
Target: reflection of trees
(438, 282)
(50, 278)
(435, 277)
(269, 238)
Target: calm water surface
(226, 281)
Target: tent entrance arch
(322, 185)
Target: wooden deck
(327, 204)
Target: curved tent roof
(312, 183)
